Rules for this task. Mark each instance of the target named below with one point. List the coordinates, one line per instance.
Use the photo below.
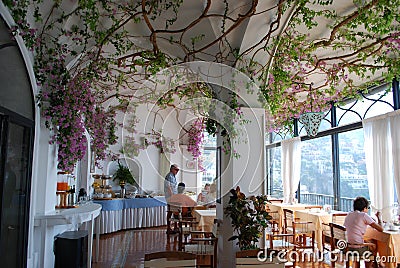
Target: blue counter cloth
(123, 203)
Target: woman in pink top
(356, 223)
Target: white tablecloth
(205, 218)
(115, 220)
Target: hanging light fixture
(311, 120)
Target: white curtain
(379, 134)
(395, 138)
(291, 163)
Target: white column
(247, 171)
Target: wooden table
(205, 219)
(388, 244)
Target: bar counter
(122, 213)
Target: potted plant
(248, 218)
(124, 176)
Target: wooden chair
(178, 213)
(274, 221)
(339, 245)
(288, 219)
(173, 215)
(275, 200)
(304, 232)
(186, 228)
(282, 245)
(249, 259)
(169, 259)
(304, 235)
(200, 207)
(313, 206)
(204, 245)
(337, 217)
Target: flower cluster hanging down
(196, 137)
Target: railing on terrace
(346, 204)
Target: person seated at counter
(210, 199)
(201, 198)
(182, 200)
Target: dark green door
(15, 173)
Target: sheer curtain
(291, 163)
(381, 157)
(395, 137)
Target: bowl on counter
(130, 195)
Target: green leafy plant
(248, 218)
(123, 175)
(87, 54)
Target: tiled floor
(127, 248)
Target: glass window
(316, 179)
(274, 172)
(209, 159)
(209, 163)
(353, 172)
(376, 104)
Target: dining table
(281, 206)
(205, 219)
(388, 245)
(319, 218)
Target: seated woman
(356, 223)
(203, 194)
(210, 200)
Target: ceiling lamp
(311, 122)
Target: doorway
(16, 147)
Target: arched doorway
(16, 147)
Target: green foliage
(248, 218)
(95, 44)
(123, 175)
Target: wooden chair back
(204, 245)
(165, 259)
(282, 243)
(274, 221)
(313, 206)
(288, 219)
(275, 200)
(338, 217)
(304, 231)
(249, 259)
(200, 207)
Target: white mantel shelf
(81, 214)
